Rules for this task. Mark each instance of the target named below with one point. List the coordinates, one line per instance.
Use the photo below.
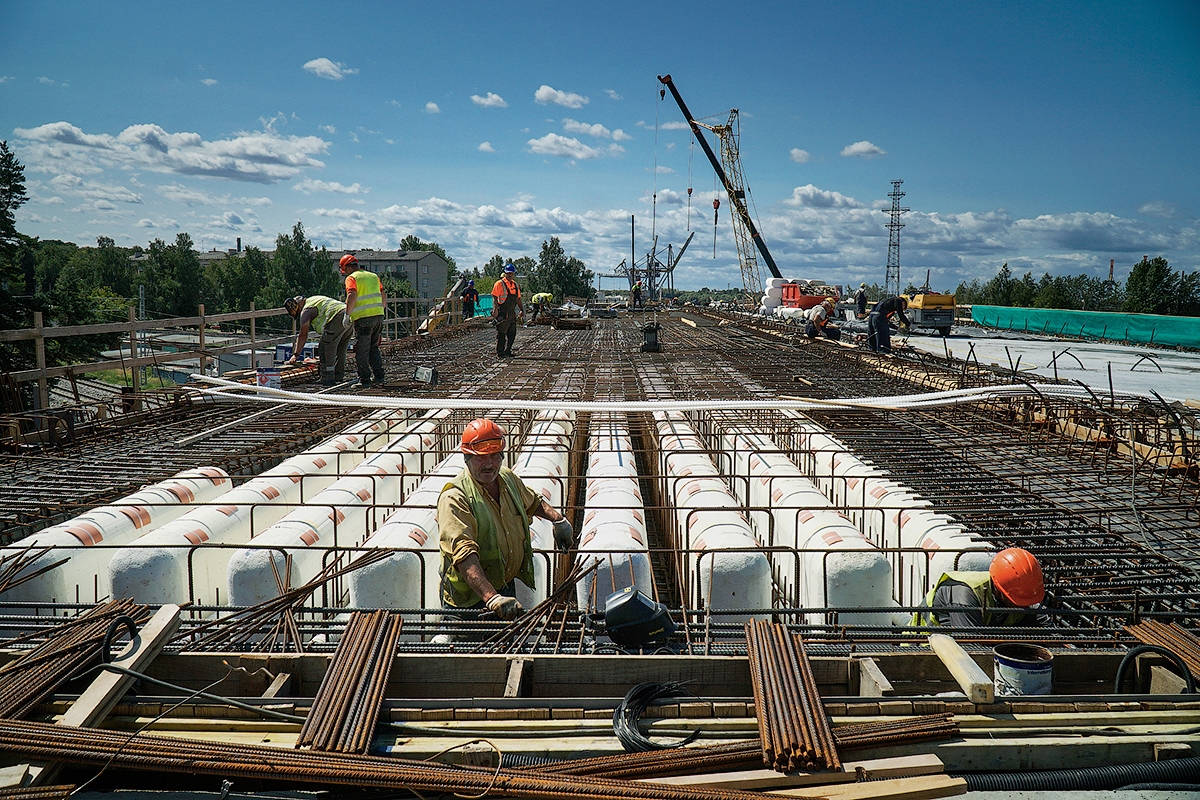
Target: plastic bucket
(269, 377)
(1022, 669)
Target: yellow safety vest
(327, 308)
(370, 295)
(980, 584)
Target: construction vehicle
(929, 309)
(732, 180)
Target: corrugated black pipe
(1179, 663)
(1180, 770)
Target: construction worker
(540, 302)
(637, 294)
(506, 305)
(365, 302)
(860, 301)
(483, 518)
(1004, 595)
(817, 318)
(879, 336)
(327, 318)
(470, 298)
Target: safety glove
(564, 534)
(505, 607)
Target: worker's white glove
(564, 534)
(505, 607)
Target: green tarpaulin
(1144, 328)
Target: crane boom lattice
(729, 134)
(891, 282)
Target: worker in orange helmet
(506, 305)
(365, 304)
(483, 518)
(1006, 595)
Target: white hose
(228, 390)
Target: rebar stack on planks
(792, 722)
(1179, 641)
(346, 708)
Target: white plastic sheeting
(614, 522)
(342, 515)
(155, 567)
(723, 553)
(837, 567)
(86, 539)
(921, 542)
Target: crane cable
(654, 197)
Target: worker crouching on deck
(1004, 596)
(483, 518)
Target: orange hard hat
(347, 262)
(482, 437)
(1017, 577)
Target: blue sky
(1052, 136)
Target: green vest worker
(326, 317)
(1005, 595)
(483, 520)
(540, 301)
(365, 302)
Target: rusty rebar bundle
(39, 793)
(792, 722)
(40, 741)
(879, 734)
(538, 622)
(346, 707)
(74, 645)
(1178, 640)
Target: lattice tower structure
(891, 283)
(731, 160)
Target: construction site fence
(1139, 328)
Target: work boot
(380, 378)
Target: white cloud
(863, 149)
(596, 129)
(54, 200)
(812, 197)
(6, 78)
(78, 187)
(395, 103)
(800, 156)
(209, 81)
(1157, 208)
(258, 157)
(230, 220)
(563, 146)
(189, 196)
(310, 185)
(612, 95)
(432, 108)
(45, 80)
(661, 170)
(492, 100)
(330, 70)
(673, 125)
(621, 136)
(328, 129)
(547, 94)
(486, 147)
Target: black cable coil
(626, 715)
(1180, 770)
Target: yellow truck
(931, 310)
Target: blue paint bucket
(1022, 669)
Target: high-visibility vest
(456, 591)
(502, 293)
(369, 302)
(327, 308)
(980, 584)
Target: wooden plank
(278, 685)
(517, 675)
(974, 681)
(917, 788)
(761, 779)
(871, 680)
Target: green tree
(411, 242)
(237, 280)
(172, 277)
(1152, 287)
(560, 274)
(112, 267)
(12, 197)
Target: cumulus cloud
(193, 197)
(863, 149)
(486, 147)
(673, 125)
(800, 156)
(491, 100)
(78, 187)
(563, 146)
(621, 136)
(45, 81)
(612, 95)
(209, 81)
(1092, 232)
(330, 70)
(661, 170)
(596, 129)
(547, 94)
(1157, 208)
(257, 157)
(310, 185)
(812, 197)
(432, 108)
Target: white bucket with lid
(1022, 669)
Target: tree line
(1151, 288)
(552, 271)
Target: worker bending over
(1003, 596)
(327, 318)
(879, 335)
(506, 305)
(365, 302)
(817, 321)
(540, 301)
(483, 518)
